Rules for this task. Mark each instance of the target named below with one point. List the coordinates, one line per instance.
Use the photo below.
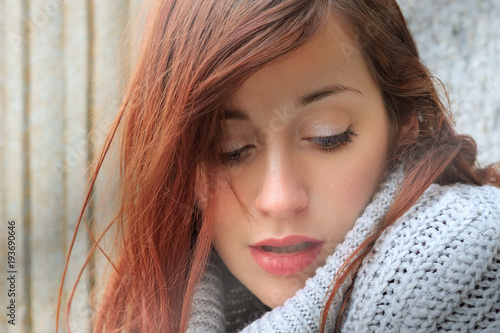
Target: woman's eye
(330, 143)
(234, 156)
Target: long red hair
(193, 56)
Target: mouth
(286, 256)
(288, 249)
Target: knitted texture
(435, 269)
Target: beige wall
(62, 66)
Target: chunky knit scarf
(436, 269)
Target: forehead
(331, 57)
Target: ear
(201, 189)
(408, 132)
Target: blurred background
(63, 68)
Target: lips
(286, 256)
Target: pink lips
(286, 263)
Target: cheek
(229, 218)
(355, 188)
(223, 204)
(357, 176)
(233, 214)
(368, 167)
(343, 201)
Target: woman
(288, 166)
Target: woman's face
(305, 150)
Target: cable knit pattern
(208, 303)
(436, 269)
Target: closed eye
(330, 143)
(235, 156)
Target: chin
(284, 289)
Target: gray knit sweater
(437, 269)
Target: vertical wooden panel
(108, 26)
(15, 141)
(138, 10)
(2, 122)
(46, 150)
(76, 61)
(3, 161)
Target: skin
(285, 179)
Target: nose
(282, 192)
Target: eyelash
(325, 143)
(235, 156)
(330, 143)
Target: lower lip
(285, 263)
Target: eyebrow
(325, 92)
(317, 95)
(234, 114)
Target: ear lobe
(201, 190)
(408, 132)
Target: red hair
(194, 55)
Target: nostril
(281, 191)
(281, 200)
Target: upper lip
(285, 241)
